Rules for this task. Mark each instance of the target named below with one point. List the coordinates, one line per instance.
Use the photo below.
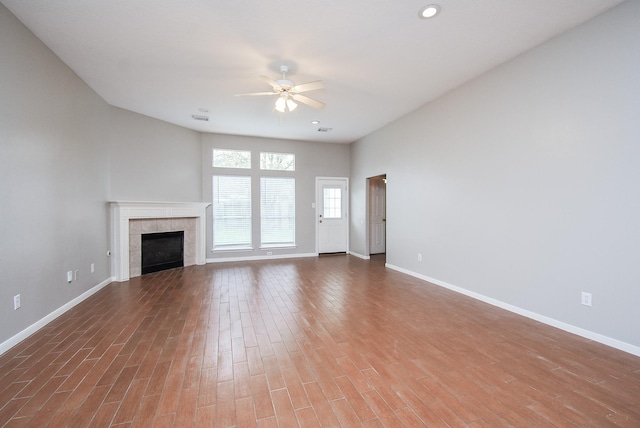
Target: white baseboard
(596, 337)
(12, 341)
(263, 257)
(360, 256)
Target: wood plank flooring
(330, 341)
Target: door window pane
(332, 202)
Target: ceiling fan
(288, 92)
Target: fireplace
(131, 220)
(161, 251)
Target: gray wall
(53, 180)
(522, 185)
(64, 154)
(151, 160)
(312, 160)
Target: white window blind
(231, 212)
(277, 211)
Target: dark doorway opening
(162, 251)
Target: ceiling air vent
(201, 117)
(325, 129)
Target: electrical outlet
(93, 267)
(16, 302)
(75, 275)
(419, 257)
(586, 299)
(69, 276)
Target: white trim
(596, 337)
(250, 258)
(13, 341)
(231, 250)
(360, 256)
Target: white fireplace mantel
(123, 211)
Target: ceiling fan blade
(308, 101)
(311, 86)
(255, 94)
(270, 82)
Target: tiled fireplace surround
(138, 227)
(129, 220)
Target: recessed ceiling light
(429, 11)
(315, 122)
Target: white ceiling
(167, 59)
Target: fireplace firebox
(162, 251)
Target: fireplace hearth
(161, 251)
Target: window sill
(277, 246)
(231, 249)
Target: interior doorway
(377, 214)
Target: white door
(331, 212)
(377, 215)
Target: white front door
(377, 215)
(331, 212)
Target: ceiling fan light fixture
(288, 93)
(281, 104)
(429, 11)
(284, 103)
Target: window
(231, 158)
(278, 161)
(332, 202)
(277, 212)
(231, 212)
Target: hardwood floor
(331, 341)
